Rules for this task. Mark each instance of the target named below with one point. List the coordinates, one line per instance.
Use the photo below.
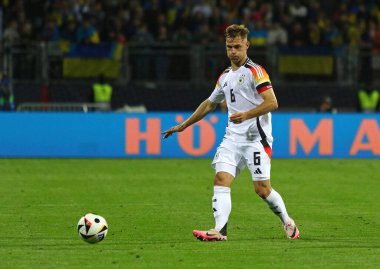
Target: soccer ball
(92, 228)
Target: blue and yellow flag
(89, 61)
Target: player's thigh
(258, 161)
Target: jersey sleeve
(261, 80)
(217, 96)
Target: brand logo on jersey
(225, 84)
(257, 172)
(241, 79)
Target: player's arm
(203, 109)
(269, 104)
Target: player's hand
(238, 117)
(174, 129)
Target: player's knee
(262, 191)
(220, 181)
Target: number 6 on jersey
(232, 95)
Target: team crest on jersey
(241, 79)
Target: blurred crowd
(285, 22)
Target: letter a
(370, 129)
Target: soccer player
(248, 139)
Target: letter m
(322, 134)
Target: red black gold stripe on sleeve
(263, 87)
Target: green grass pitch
(152, 206)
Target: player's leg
(277, 205)
(271, 197)
(221, 200)
(260, 166)
(221, 206)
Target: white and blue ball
(92, 228)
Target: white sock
(221, 205)
(276, 204)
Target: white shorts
(233, 157)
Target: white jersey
(241, 89)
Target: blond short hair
(235, 30)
